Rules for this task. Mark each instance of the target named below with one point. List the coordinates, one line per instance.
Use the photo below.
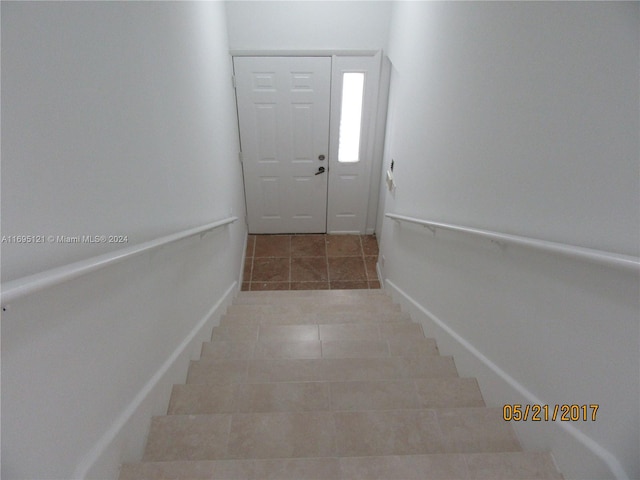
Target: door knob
(320, 170)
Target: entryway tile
(343, 245)
(310, 262)
(270, 270)
(309, 285)
(346, 268)
(273, 246)
(309, 269)
(369, 244)
(308, 246)
(251, 243)
(348, 285)
(370, 265)
(256, 286)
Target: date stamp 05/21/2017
(545, 413)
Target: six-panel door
(283, 112)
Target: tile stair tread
(319, 433)
(329, 396)
(313, 307)
(438, 466)
(346, 331)
(318, 348)
(313, 318)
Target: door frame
(373, 147)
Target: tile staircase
(329, 385)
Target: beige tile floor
(311, 262)
(304, 385)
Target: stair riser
(324, 396)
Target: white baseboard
(344, 232)
(379, 273)
(124, 441)
(242, 262)
(573, 451)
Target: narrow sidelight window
(351, 117)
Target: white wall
(523, 118)
(118, 118)
(308, 25)
(530, 111)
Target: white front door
(283, 113)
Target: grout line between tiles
(290, 257)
